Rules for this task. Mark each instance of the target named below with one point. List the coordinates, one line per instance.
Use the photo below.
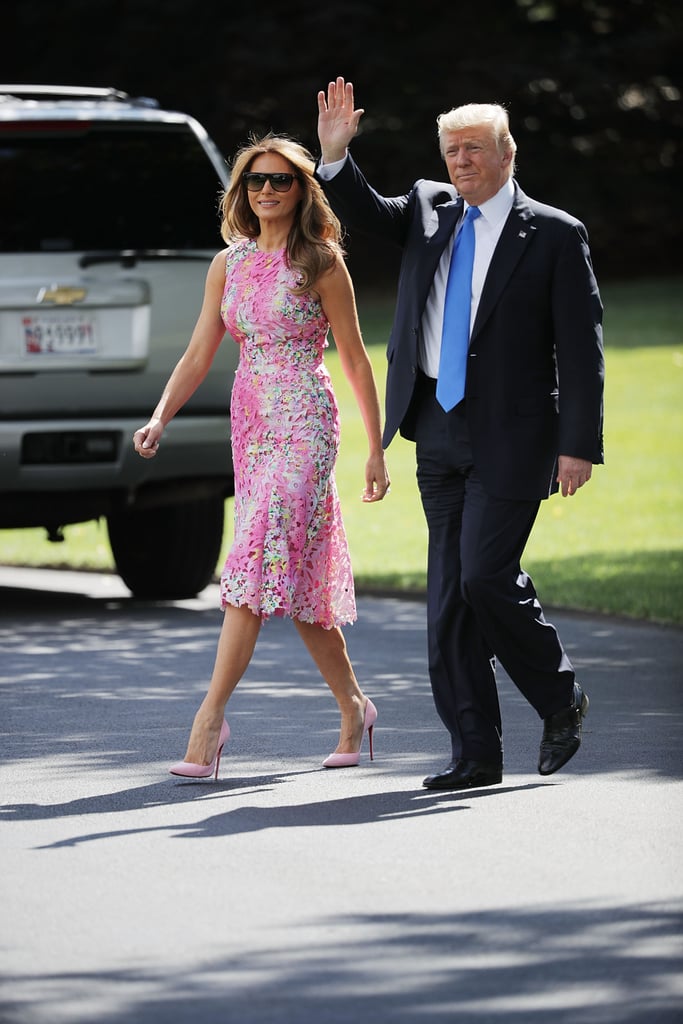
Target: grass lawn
(615, 547)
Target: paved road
(286, 894)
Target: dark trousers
(481, 605)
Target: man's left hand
(572, 473)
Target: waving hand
(337, 120)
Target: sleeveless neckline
(268, 252)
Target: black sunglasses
(278, 182)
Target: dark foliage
(593, 88)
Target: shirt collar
(498, 207)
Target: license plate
(72, 335)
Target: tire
(168, 553)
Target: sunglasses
(278, 182)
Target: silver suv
(108, 222)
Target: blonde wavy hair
(315, 240)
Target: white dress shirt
(487, 231)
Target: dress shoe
(351, 760)
(462, 774)
(562, 734)
(189, 770)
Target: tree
(593, 88)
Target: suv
(108, 222)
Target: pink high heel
(202, 771)
(351, 760)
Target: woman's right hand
(146, 439)
(337, 120)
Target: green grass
(615, 547)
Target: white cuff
(329, 171)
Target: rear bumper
(75, 482)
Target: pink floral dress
(290, 555)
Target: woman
(278, 287)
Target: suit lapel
(445, 218)
(517, 233)
(438, 233)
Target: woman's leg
(236, 644)
(327, 647)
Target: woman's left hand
(376, 478)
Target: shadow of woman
(368, 809)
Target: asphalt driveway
(287, 894)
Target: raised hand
(337, 120)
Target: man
(500, 420)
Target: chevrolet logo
(61, 296)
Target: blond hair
(472, 115)
(315, 240)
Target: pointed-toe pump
(351, 760)
(203, 771)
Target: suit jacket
(534, 386)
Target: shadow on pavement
(591, 964)
(366, 809)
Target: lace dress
(290, 555)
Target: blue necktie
(450, 385)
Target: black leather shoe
(562, 734)
(462, 774)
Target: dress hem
(282, 613)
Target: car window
(79, 185)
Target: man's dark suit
(533, 392)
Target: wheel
(170, 552)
